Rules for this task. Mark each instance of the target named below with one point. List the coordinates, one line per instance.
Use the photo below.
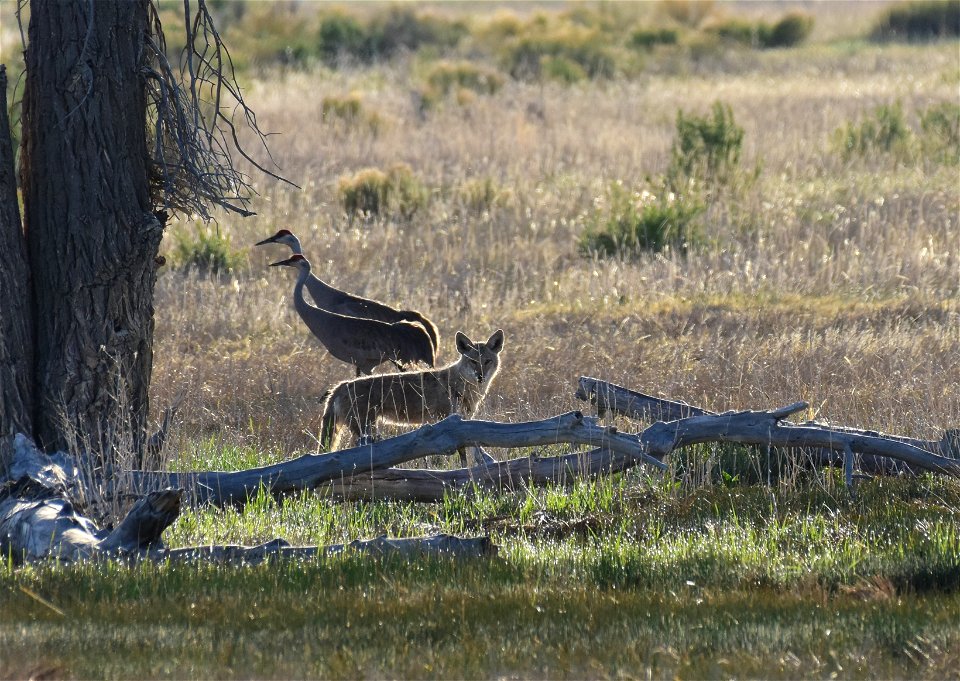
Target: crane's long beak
(282, 262)
(266, 241)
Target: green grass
(614, 577)
(348, 618)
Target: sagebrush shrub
(342, 35)
(482, 194)
(375, 192)
(648, 38)
(924, 20)
(642, 221)
(349, 110)
(940, 129)
(791, 30)
(589, 50)
(206, 249)
(883, 131)
(706, 148)
(365, 192)
(445, 77)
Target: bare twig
(195, 135)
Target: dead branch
(278, 549)
(765, 428)
(446, 437)
(39, 521)
(611, 397)
(193, 116)
(422, 485)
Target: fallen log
(831, 444)
(606, 397)
(766, 428)
(424, 485)
(408, 547)
(311, 470)
(40, 521)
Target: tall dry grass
(829, 281)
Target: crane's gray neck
(293, 242)
(302, 277)
(295, 245)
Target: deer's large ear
(464, 344)
(495, 342)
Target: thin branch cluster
(193, 111)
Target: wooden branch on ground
(611, 397)
(445, 437)
(404, 484)
(278, 549)
(765, 428)
(38, 521)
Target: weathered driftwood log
(39, 520)
(278, 549)
(445, 437)
(403, 484)
(877, 452)
(611, 397)
(766, 428)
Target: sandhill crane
(334, 300)
(364, 343)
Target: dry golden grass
(831, 282)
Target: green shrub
(408, 194)
(738, 31)
(205, 249)
(648, 38)
(399, 29)
(269, 33)
(348, 110)
(924, 20)
(589, 50)
(706, 149)
(482, 195)
(341, 35)
(562, 69)
(445, 77)
(641, 221)
(346, 107)
(940, 128)
(365, 192)
(791, 30)
(374, 192)
(403, 29)
(884, 131)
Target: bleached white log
(311, 470)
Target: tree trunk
(92, 234)
(16, 319)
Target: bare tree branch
(194, 132)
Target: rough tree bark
(92, 235)
(16, 315)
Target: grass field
(818, 275)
